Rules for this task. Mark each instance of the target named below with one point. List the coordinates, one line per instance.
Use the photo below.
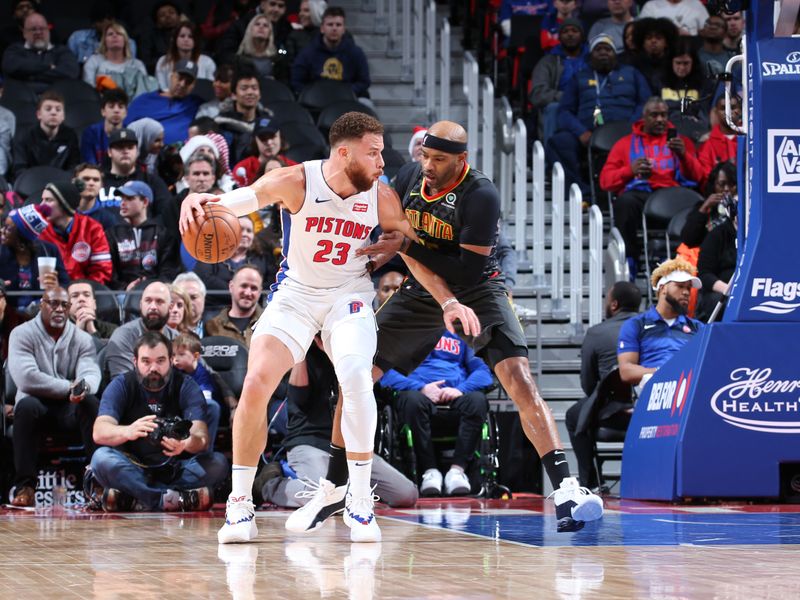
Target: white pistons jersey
(321, 239)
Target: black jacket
(41, 68)
(717, 259)
(155, 256)
(32, 148)
(599, 351)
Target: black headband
(437, 143)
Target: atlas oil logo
(757, 401)
(789, 67)
(783, 161)
(779, 296)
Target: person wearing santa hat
(415, 145)
(19, 250)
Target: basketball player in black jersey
(455, 210)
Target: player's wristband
(241, 201)
(448, 302)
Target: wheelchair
(394, 442)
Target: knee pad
(359, 412)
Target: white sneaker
(431, 483)
(359, 516)
(523, 312)
(326, 500)
(240, 569)
(575, 505)
(456, 483)
(240, 521)
(359, 570)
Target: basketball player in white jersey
(328, 210)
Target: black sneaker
(117, 501)
(197, 499)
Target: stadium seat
(80, 114)
(674, 229)
(393, 161)
(30, 183)
(289, 110)
(660, 208)
(330, 113)
(613, 397)
(273, 90)
(24, 111)
(228, 357)
(324, 92)
(107, 305)
(76, 91)
(19, 92)
(295, 133)
(600, 144)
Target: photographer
(154, 436)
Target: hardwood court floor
(444, 550)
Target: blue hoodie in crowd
(620, 95)
(571, 64)
(452, 360)
(347, 62)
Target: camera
(78, 389)
(170, 427)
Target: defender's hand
(464, 315)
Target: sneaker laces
(363, 506)
(580, 490)
(238, 512)
(313, 489)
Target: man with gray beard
(154, 308)
(37, 61)
(55, 370)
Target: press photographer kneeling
(153, 435)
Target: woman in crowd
(180, 310)
(258, 45)
(653, 37)
(20, 250)
(717, 261)
(115, 59)
(150, 134)
(684, 87)
(184, 45)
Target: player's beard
(358, 177)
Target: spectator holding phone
(653, 156)
(56, 374)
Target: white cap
(679, 277)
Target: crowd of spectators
(186, 107)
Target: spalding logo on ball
(214, 236)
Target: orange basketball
(213, 237)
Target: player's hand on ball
(191, 208)
(464, 315)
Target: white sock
(360, 473)
(243, 478)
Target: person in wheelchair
(451, 377)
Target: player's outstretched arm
(285, 186)
(393, 221)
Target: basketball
(213, 237)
